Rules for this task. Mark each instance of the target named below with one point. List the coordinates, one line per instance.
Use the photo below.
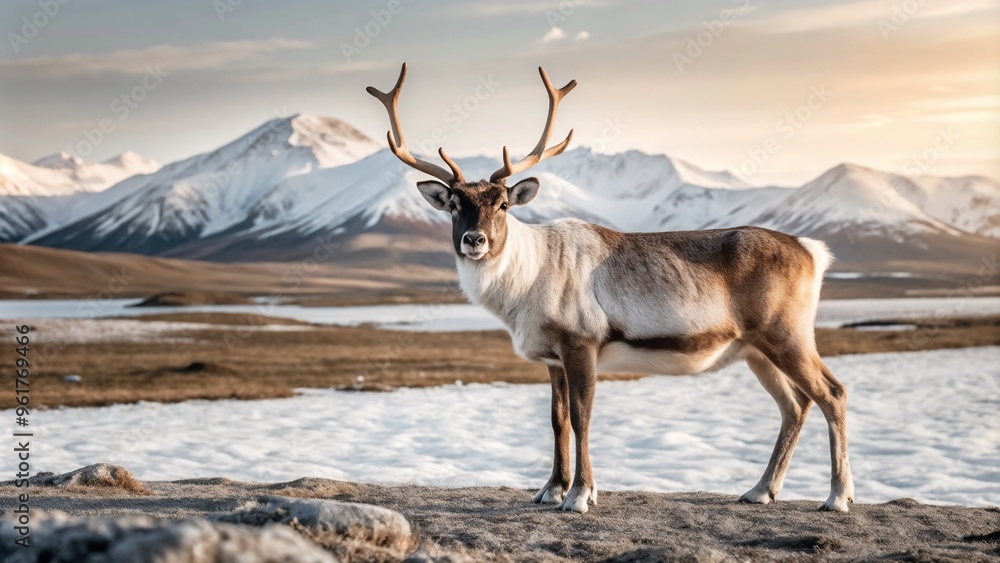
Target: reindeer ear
(523, 192)
(436, 194)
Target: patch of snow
(870, 328)
(465, 317)
(836, 312)
(921, 425)
(864, 275)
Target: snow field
(460, 317)
(923, 425)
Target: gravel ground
(502, 524)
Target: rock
(96, 475)
(56, 537)
(272, 528)
(353, 530)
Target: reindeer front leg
(555, 490)
(581, 375)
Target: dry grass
(929, 334)
(309, 487)
(93, 480)
(46, 273)
(122, 480)
(240, 364)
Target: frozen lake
(923, 425)
(457, 317)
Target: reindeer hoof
(758, 496)
(836, 504)
(551, 493)
(577, 499)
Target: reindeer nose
(474, 239)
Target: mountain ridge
(272, 192)
(44, 194)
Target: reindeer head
(478, 209)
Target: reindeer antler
(539, 153)
(397, 144)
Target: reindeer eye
(503, 206)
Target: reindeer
(583, 299)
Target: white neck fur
(493, 282)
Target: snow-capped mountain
(376, 196)
(34, 197)
(854, 197)
(642, 192)
(22, 179)
(860, 203)
(297, 184)
(210, 192)
(969, 203)
(98, 176)
(19, 217)
(312, 202)
(632, 174)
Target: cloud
(552, 35)
(135, 61)
(557, 34)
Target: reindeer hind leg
(807, 371)
(794, 406)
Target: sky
(775, 92)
